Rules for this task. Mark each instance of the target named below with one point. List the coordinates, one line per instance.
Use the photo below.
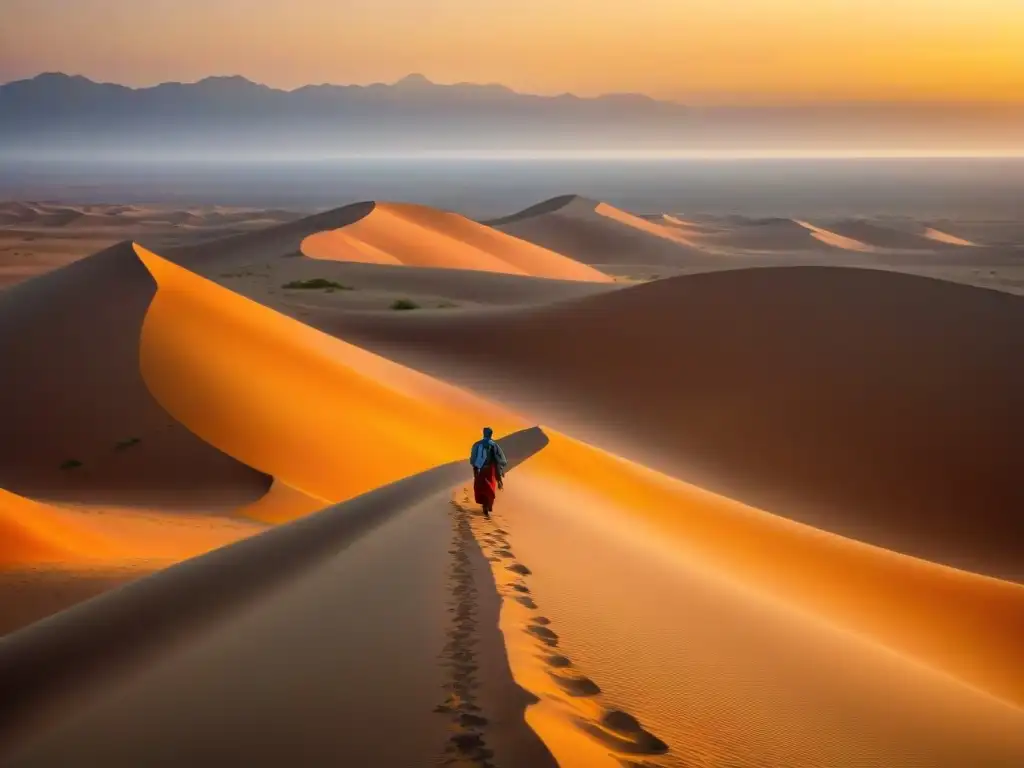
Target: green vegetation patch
(405, 304)
(316, 284)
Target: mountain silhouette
(55, 112)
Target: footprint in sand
(519, 568)
(543, 634)
(527, 602)
(622, 732)
(542, 620)
(576, 685)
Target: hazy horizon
(723, 99)
(974, 188)
(702, 51)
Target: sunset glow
(697, 51)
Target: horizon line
(705, 100)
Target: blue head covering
(487, 433)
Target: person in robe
(488, 462)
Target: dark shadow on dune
(881, 406)
(43, 666)
(71, 389)
(545, 206)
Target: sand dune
(879, 236)
(773, 235)
(147, 416)
(812, 392)
(79, 423)
(991, 233)
(944, 237)
(414, 235)
(736, 548)
(834, 239)
(264, 265)
(394, 234)
(36, 238)
(135, 654)
(282, 402)
(43, 215)
(599, 234)
(28, 535)
(667, 614)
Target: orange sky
(693, 50)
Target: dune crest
(415, 235)
(650, 227)
(944, 237)
(323, 417)
(834, 239)
(598, 233)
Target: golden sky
(690, 50)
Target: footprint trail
(617, 736)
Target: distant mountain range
(58, 113)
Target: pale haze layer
(692, 50)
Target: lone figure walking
(488, 462)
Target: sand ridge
(602, 235)
(80, 424)
(569, 713)
(876, 235)
(718, 662)
(282, 379)
(809, 391)
(108, 647)
(414, 235)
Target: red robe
(485, 485)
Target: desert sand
(771, 516)
(36, 237)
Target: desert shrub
(316, 284)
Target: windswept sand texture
(774, 520)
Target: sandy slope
(168, 656)
(813, 392)
(655, 622)
(282, 402)
(643, 611)
(877, 235)
(414, 235)
(432, 258)
(36, 238)
(148, 412)
(72, 337)
(600, 234)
